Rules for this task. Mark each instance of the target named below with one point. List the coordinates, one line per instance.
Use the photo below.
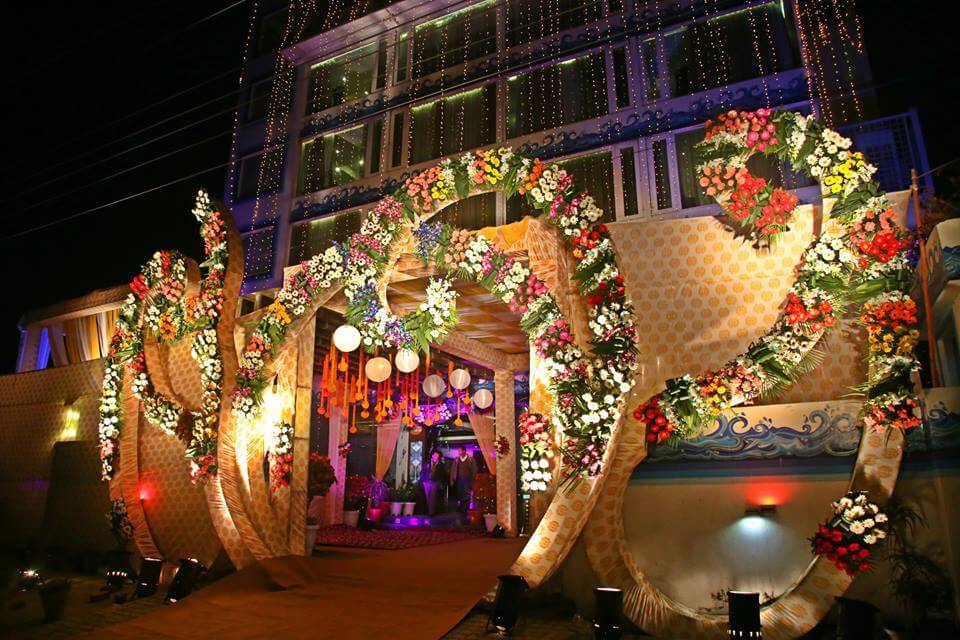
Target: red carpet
(346, 594)
(344, 536)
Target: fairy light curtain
(467, 34)
(453, 124)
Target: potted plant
(320, 476)
(54, 594)
(485, 498)
(408, 496)
(377, 493)
(310, 539)
(357, 488)
(396, 504)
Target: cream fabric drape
(483, 429)
(387, 434)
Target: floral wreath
(589, 389)
(156, 304)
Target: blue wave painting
(822, 432)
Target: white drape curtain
(387, 435)
(486, 435)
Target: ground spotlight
(744, 614)
(183, 583)
(28, 579)
(117, 578)
(606, 623)
(149, 578)
(506, 604)
(498, 531)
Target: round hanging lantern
(346, 338)
(433, 385)
(459, 378)
(406, 360)
(482, 399)
(378, 369)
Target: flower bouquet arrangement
(320, 475)
(119, 521)
(536, 451)
(855, 525)
(502, 446)
(281, 457)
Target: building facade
(339, 108)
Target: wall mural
(858, 261)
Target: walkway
(418, 593)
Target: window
(259, 100)
(396, 154)
(259, 174)
(661, 174)
(258, 253)
(347, 77)
(310, 238)
(272, 28)
(333, 159)
(450, 125)
(723, 50)
(651, 70)
(376, 142)
(475, 212)
(532, 97)
(463, 35)
(403, 54)
(591, 173)
(528, 21)
(628, 174)
(620, 79)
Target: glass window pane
(249, 170)
(397, 152)
(342, 79)
(455, 38)
(691, 194)
(310, 238)
(629, 176)
(661, 172)
(376, 142)
(258, 253)
(532, 102)
(722, 50)
(333, 159)
(450, 125)
(528, 21)
(403, 50)
(621, 81)
(651, 69)
(474, 212)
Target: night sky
(84, 79)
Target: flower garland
(860, 258)
(853, 528)
(589, 389)
(119, 520)
(536, 452)
(281, 456)
(156, 304)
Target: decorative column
(303, 412)
(336, 436)
(506, 425)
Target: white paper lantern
(482, 399)
(433, 385)
(459, 378)
(406, 360)
(346, 338)
(378, 369)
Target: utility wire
(126, 198)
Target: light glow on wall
(71, 419)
